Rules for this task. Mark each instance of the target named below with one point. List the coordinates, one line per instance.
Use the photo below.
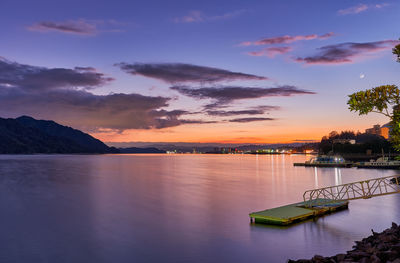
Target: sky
(196, 71)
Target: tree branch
(387, 115)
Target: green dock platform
(289, 214)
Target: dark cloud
(226, 94)
(198, 122)
(234, 112)
(79, 27)
(251, 119)
(255, 111)
(179, 72)
(40, 78)
(81, 109)
(58, 94)
(347, 52)
(286, 39)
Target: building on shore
(379, 130)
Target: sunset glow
(264, 72)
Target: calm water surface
(172, 208)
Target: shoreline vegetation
(378, 247)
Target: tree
(384, 100)
(396, 51)
(333, 134)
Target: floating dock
(289, 214)
(342, 165)
(382, 166)
(321, 201)
(349, 165)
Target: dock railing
(357, 190)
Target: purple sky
(200, 71)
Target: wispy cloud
(270, 51)
(346, 52)
(252, 111)
(77, 27)
(180, 72)
(251, 119)
(193, 16)
(227, 94)
(286, 39)
(198, 122)
(360, 8)
(198, 16)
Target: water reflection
(45, 202)
(316, 177)
(172, 208)
(338, 176)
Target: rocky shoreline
(377, 248)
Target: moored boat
(326, 161)
(380, 163)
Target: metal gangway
(351, 191)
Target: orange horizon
(218, 135)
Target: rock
(357, 255)
(340, 257)
(387, 255)
(375, 259)
(388, 238)
(318, 259)
(370, 249)
(382, 247)
(300, 261)
(396, 248)
(365, 260)
(377, 248)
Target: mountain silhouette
(28, 135)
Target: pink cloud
(346, 52)
(270, 51)
(326, 36)
(286, 39)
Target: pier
(322, 201)
(341, 165)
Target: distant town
(372, 141)
(26, 135)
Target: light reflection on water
(172, 208)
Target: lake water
(173, 208)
